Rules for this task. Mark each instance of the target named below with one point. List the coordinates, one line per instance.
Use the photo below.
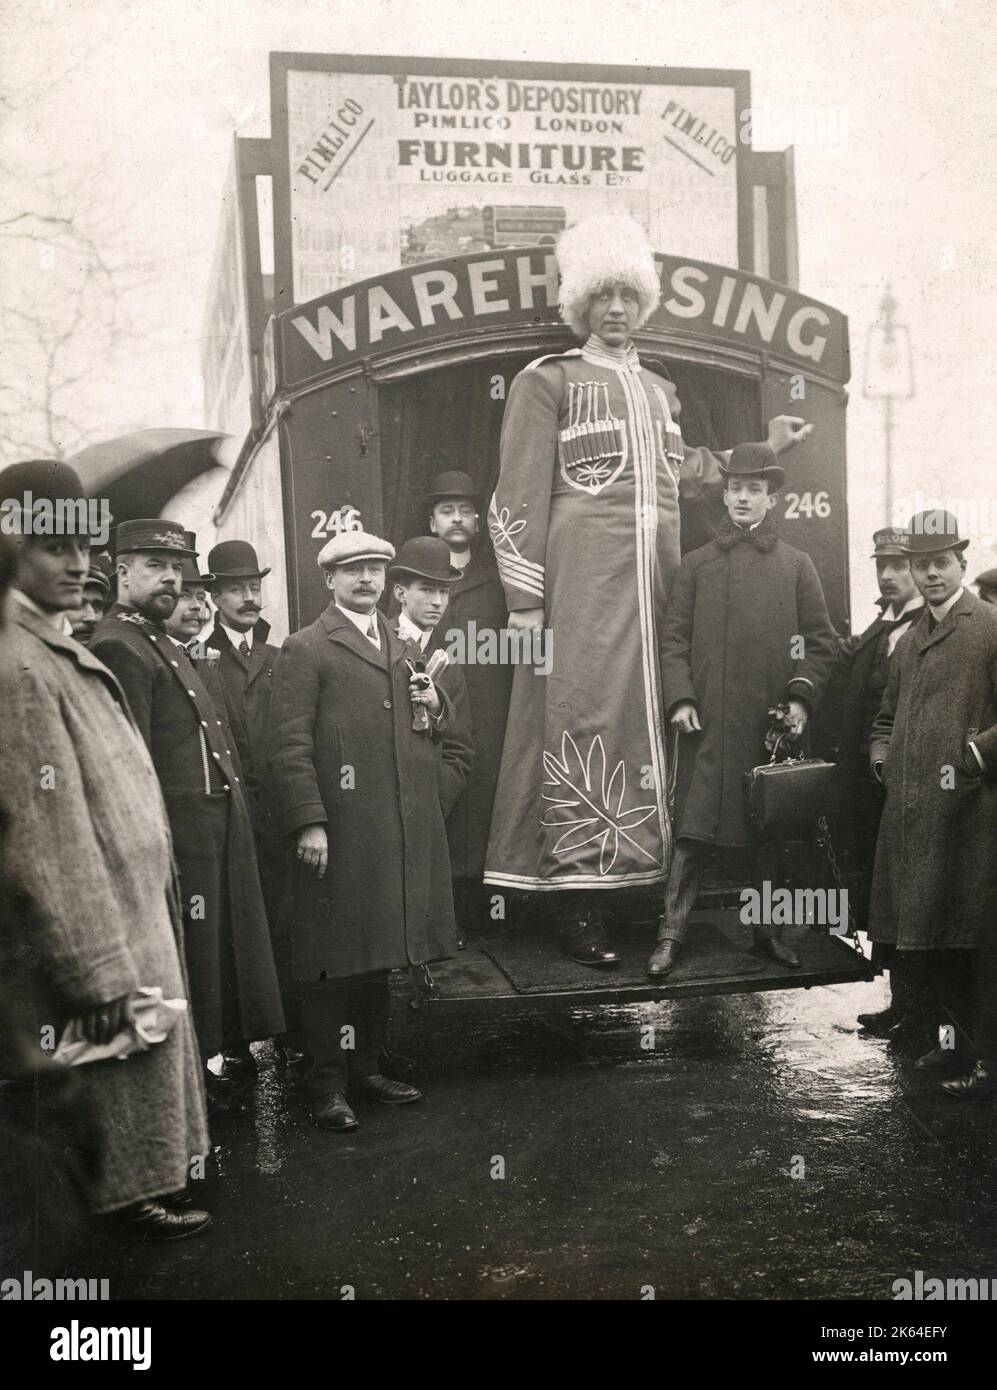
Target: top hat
(754, 461)
(932, 531)
(450, 484)
(350, 546)
(426, 557)
(47, 480)
(155, 534)
(987, 580)
(891, 540)
(235, 560)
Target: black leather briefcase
(789, 795)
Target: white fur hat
(606, 248)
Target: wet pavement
(630, 1158)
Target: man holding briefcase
(746, 628)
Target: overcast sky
(149, 93)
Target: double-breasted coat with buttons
(233, 982)
(935, 881)
(343, 754)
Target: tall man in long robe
(585, 525)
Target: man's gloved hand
(106, 1021)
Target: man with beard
(96, 594)
(245, 667)
(476, 605)
(233, 984)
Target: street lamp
(889, 377)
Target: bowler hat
(44, 480)
(987, 580)
(351, 546)
(754, 461)
(891, 540)
(450, 484)
(427, 557)
(103, 562)
(151, 534)
(235, 560)
(932, 531)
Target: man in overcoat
(851, 702)
(477, 605)
(233, 982)
(246, 666)
(357, 788)
(88, 841)
(586, 530)
(421, 576)
(934, 745)
(746, 629)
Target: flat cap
(350, 546)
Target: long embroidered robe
(585, 523)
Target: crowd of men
(268, 833)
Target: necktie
(372, 632)
(244, 648)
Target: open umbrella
(138, 473)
